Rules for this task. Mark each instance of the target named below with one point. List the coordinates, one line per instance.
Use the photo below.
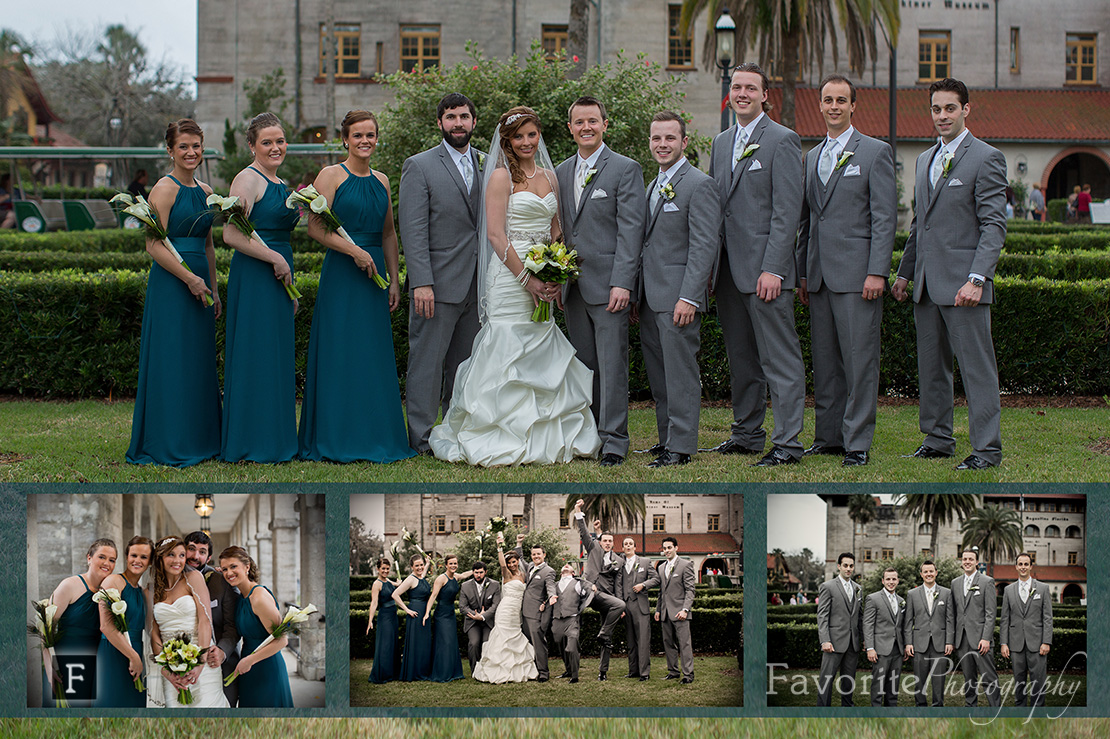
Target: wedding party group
(507, 625)
(188, 634)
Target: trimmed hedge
(54, 261)
(360, 599)
(1049, 227)
(1058, 622)
(1062, 611)
(358, 583)
(128, 240)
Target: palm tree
(862, 511)
(790, 33)
(615, 510)
(996, 531)
(937, 508)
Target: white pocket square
(852, 170)
(940, 602)
(975, 592)
(670, 208)
(955, 182)
(1037, 596)
(598, 195)
(755, 165)
(214, 604)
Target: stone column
(284, 568)
(311, 535)
(264, 539)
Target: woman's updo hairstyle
(259, 122)
(138, 541)
(101, 543)
(353, 117)
(183, 126)
(241, 555)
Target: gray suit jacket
(882, 630)
(643, 574)
(572, 603)
(680, 242)
(960, 225)
(439, 223)
(923, 630)
(1026, 626)
(539, 586)
(595, 571)
(676, 593)
(469, 602)
(839, 622)
(606, 227)
(975, 612)
(847, 226)
(761, 203)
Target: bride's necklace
(174, 585)
(535, 171)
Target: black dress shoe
(643, 678)
(668, 459)
(728, 446)
(833, 451)
(974, 462)
(855, 459)
(927, 452)
(541, 679)
(775, 457)
(687, 680)
(610, 460)
(631, 675)
(565, 674)
(671, 677)
(654, 449)
(573, 680)
(602, 677)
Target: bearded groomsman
(883, 616)
(957, 233)
(976, 604)
(224, 604)
(602, 212)
(1026, 633)
(539, 587)
(636, 577)
(439, 199)
(844, 249)
(672, 611)
(758, 168)
(928, 630)
(840, 631)
(478, 599)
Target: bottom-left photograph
(156, 600)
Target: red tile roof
(1008, 573)
(711, 543)
(996, 115)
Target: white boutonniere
(589, 175)
(667, 192)
(748, 151)
(974, 589)
(901, 604)
(481, 159)
(947, 166)
(844, 159)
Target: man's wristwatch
(976, 281)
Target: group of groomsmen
(614, 585)
(939, 628)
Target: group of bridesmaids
(431, 645)
(351, 374)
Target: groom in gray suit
(602, 212)
(844, 248)
(927, 632)
(959, 226)
(440, 196)
(680, 247)
(883, 615)
(840, 631)
(976, 605)
(1026, 633)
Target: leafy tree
(937, 508)
(807, 568)
(366, 547)
(909, 574)
(614, 510)
(996, 531)
(862, 511)
(472, 547)
(13, 79)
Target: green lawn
(717, 684)
(86, 440)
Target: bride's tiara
(516, 117)
(167, 539)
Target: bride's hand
(193, 675)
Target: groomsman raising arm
(601, 570)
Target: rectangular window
(892, 529)
(419, 47)
(1050, 507)
(466, 523)
(518, 520)
(470, 497)
(1032, 557)
(866, 555)
(554, 39)
(933, 56)
(1011, 504)
(927, 553)
(714, 522)
(1015, 50)
(689, 520)
(658, 523)
(439, 524)
(888, 553)
(1073, 558)
(680, 49)
(347, 39)
(1081, 58)
(379, 58)
(564, 522)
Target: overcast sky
(795, 522)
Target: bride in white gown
(507, 656)
(178, 598)
(523, 397)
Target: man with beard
(438, 211)
(478, 599)
(224, 602)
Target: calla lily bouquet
(117, 608)
(551, 261)
(292, 617)
(179, 655)
(309, 200)
(231, 210)
(141, 209)
(46, 629)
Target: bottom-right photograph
(927, 599)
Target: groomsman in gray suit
(680, 247)
(1026, 633)
(539, 588)
(602, 212)
(571, 598)
(224, 601)
(928, 632)
(602, 571)
(844, 248)
(958, 229)
(672, 611)
(478, 599)
(636, 577)
(883, 615)
(840, 630)
(440, 196)
(757, 165)
(976, 604)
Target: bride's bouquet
(307, 198)
(117, 608)
(180, 655)
(293, 616)
(551, 261)
(46, 629)
(230, 210)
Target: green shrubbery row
(1058, 622)
(1061, 611)
(703, 599)
(361, 584)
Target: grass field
(717, 684)
(85, 441)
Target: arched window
(1052, 532)
(925, 529)
(1032, 530)
(1073, 532)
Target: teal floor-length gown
(446, 660)
(80, 636)
(266, 685)
(177, 405)
(115, 687)
(352, 399)
(385, 637)
(260, 395)
(416, 659)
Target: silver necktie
(825, 165)
(738, 148)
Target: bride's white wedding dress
(173, 619)
(522, 397)
(507, 657)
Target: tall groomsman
(758, 168)
(225, 602)
(680, 247)
(571, 598)
(672, 611)
(840, 630)
(602, 571)
(976, 604)
(603, 216)
(1026, 633)
(539, 588)
(844, 248)
(636, 577)
(478, 599)
(928, 631)
(883, 616)
(959, 226)
(439, 199)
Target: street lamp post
(725, 30)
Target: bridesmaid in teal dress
(385, 633)
(416, 658)
(352, 400)
(77, 613)
(177, 405)
(263, 679)
(446, 660)
(260, 397)
(119, 658)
